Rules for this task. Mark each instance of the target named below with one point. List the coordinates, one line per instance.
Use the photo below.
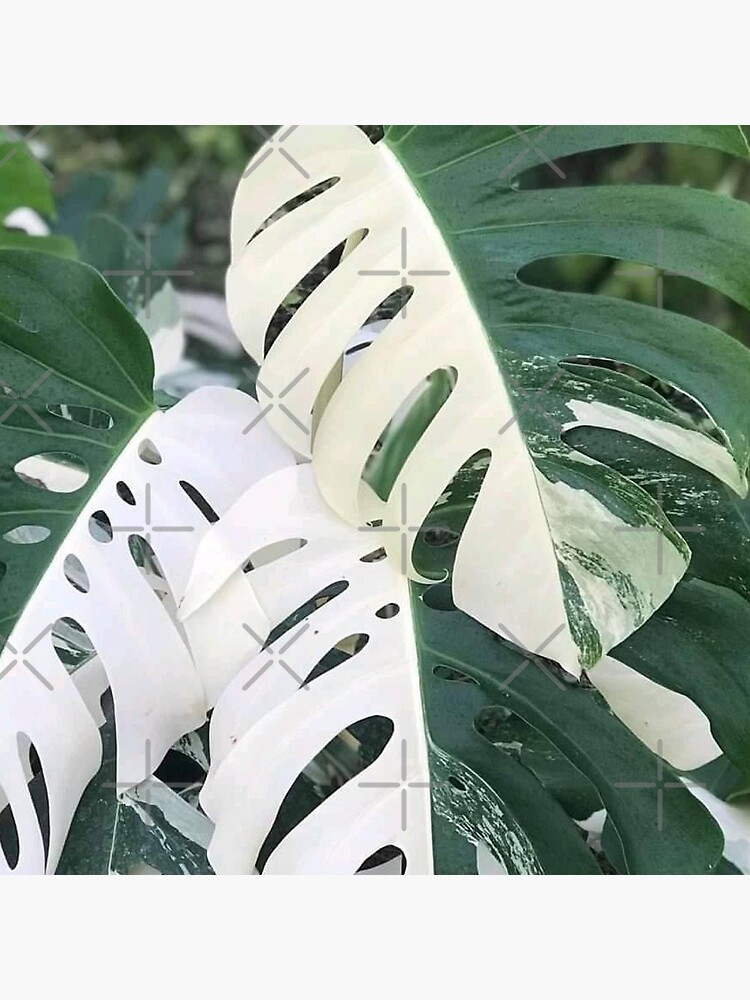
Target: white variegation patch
(667, 722)
(621, 570)
(695, 447)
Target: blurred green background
(200, 165)
(193, 169)
(178, 183)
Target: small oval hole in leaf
(387, 611)
(375, 556)
(75, 574)
(125, 493)
(56, 471)
(27, 534)
(148, 452)
(86, 416)
(100, 527)
(200, 502)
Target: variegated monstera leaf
(381, 724)
(184, 561)
(564, 550)
(103, 500)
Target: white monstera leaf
(168, 567)
(179, 467)
(439, 210)
(104, 500)
(487, 760)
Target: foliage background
(176, 185)
(202, 163)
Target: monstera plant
(465, 591)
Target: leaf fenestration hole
(27, 534)
(147, 561)
(671, 394)
(148, 452)
(393, 305)
(298, 295)
(9, 842)
(85, 416)
(56, 471)
(75, 574)
(37, 786)
(200, 502)
(376, 556)
(388, 611)
(273, 551)
(293, 203)
(125, 493)
(345, 649)
(100, 527)
(71, 644)
(389, 860)
(338, 761)
(404, 430)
